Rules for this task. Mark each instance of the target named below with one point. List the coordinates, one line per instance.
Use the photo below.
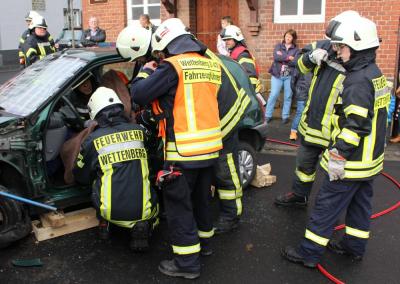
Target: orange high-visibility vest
(196, 117)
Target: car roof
(92, 53)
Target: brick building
(263, 22)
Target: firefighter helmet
(100, 99)
(30, 15)
(232, 32)
(38, 22)
(169, 30)
(133, 42)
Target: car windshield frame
(25, 93)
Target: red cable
(339, 227)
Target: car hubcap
(246, 165)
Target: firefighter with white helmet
(114, 160)
(356, 152)
(25, 35)
(40, 43)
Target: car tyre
(247, 163)
(15, 223)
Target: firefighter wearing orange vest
(183, 91)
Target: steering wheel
(79, 121)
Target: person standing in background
(281, 70)
(145, 22)
(221, 46)
(93, 35)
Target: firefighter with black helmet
(25, 35)
(39, 43)
(356, 151)
(113, 159)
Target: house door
(208, 19)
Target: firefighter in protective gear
(315, 123)
(234, 40)
(358, 140)
(114, 160)
(39, 43)
(25, 35)
(183, 91)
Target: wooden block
(266, 168)
(53, 219)
(270, 179)
(74, 221)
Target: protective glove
(318, 55)
(336, 165)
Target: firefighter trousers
(332, 199)
(227, 180)
(187, 206)
(306, 164)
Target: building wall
(112, 16)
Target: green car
(30, 144)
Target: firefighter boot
(226, 225)
(336, 247)
(206, 249)
(290, 199)
(103, 230)
(291, 254)
(170, 268)
(140, 235)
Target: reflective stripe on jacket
(35, 48)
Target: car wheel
(14, 220)
(247, 163)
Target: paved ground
(252, 254)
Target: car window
(23, 94)
(124, 67)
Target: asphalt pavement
(251, 254)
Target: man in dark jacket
(24, 36)
(356, 152)
(113, 159)
(93, 35)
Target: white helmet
(100, 99)
(353, 30)
(232, 32)
(169, 30)
(38, 22)
(31, 15)
(133, 42)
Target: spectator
(300, 84)
(93, 35)
(145, 22)
(39, 43)
(221, 46)
(281, 70)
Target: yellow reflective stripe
(42, 51)
(79, 161)
(304, 177)
(236, 118)
(336, 129)
(186, 249)
(105, 191)
(246, 60)
(354, 109)
(143, 75)
(369, 141)
(189, 107)
(233, 171)
(21, 40)
(315, 238)
(172, 155)
(317, 141)
(199, 134)
(146, 198)
(226, 194)
(210, 144)
(20, 54)
(357, 233)
(349, 136)
(254, 80)
(303, 69)
(206, 235)
(30, 52)
(337, 87)
(314, 45)
(239, 207)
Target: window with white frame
(299, 11)
(139, 7)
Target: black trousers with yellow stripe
(187, 206)
(332, 199)
(227, 180)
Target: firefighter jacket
(183, 92)
(22, 40)
(360, 118)
(242, 55)
(114, 160)
(326, 84)
(233, 95)
(35, 48)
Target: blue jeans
(299, 111)
(276, 86)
